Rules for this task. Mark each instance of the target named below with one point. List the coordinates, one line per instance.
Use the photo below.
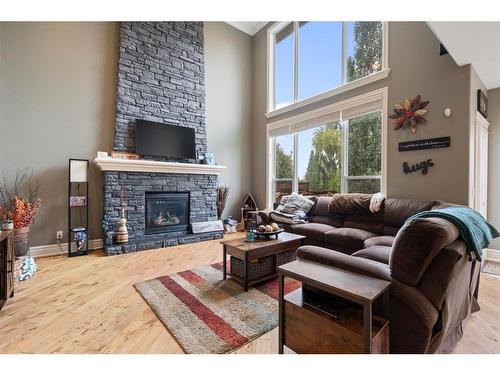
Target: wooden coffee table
(250, 251)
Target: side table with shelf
(78, 207)
(344, 320)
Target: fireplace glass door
(167, 212)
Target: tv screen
(156, 139)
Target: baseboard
(54, 249)
(493, 255)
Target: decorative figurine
(122, 233)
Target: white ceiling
(476, 43)
(250, 28)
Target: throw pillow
(295, 203)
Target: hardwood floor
(89, 305)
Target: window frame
(346, 177)
(381, 95)
(271, 111)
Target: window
(364, 153)
(319, 57)
(310, 58)
(283, 165)
(333, 149)
(284, 67)
(320, 159)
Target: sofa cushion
(352, 203)
(397, 210)
(370, 222)
(321, 207)
(334, 221)
(348, 237)
(379, 241)
(417, 244)
(292, 209)
(314, 231)
(377, 253)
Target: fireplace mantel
(125, 165)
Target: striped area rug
(208, 315)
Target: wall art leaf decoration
(409, 114)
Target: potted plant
(19, 203)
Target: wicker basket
(286, 257)
(256, 268)
(262, 266)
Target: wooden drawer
(309, 330)
(10, 266)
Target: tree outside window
(356, 142)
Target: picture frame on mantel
(482, 103)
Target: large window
(363, 154)
(284, 169)
(320, 159)
(328, 152)
(311, 58)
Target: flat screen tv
(172, 141)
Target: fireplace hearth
(167, 212)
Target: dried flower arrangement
(409, 114)
(20, 200)
(222, 194)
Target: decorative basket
(286, 257)
(21, 241)
(256, 269)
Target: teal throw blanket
(474, 229)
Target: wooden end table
(354, 328)
(248, 251)
(7, 271)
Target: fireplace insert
(167, 212)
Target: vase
(21, 241)
(80, 238)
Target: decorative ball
(269, 228)
(275, 227)
(261, 228)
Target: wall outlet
(59, 234)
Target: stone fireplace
(161, 78)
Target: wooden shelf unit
(326, 334)
(7, 271)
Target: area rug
(206, 314)
(492, 268)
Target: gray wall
(416, 68)
(57, 101)
(494, 162)
(228, 59)
(57, 94)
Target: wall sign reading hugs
(422, 166)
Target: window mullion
(295, 61)
(295, 183)
(344, 53)
(273, 171)
(345, 156)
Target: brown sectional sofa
(434, 284)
